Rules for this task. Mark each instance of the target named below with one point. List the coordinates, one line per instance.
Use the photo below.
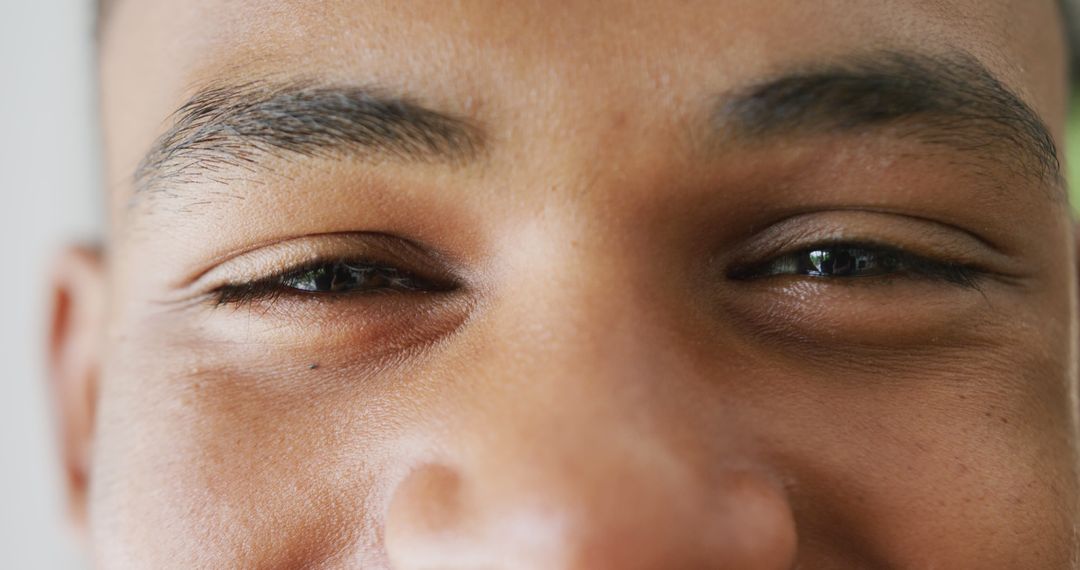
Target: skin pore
(730, 284)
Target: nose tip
(440, 519)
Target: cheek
(224, 455)
(953, 467)
(283, 454)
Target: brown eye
(832, 261)
(849, 261)
(842, 262)
(331, 278)
(349, 278)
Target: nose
(634, 515)
(592, 475)
(588, 447)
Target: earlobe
(74, 347)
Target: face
(734, 284)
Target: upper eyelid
(275, 278)
(272, 284)
(800, 239)
(884, 218)
(915, 236)
(314, 264)
(279, 259)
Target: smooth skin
(597, 389)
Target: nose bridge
(582, 304)
(581, 350)
(588, 385)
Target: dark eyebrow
(951, 100)
(223, 128)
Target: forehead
(556, 61)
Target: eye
(330, 278)
(837, 262)
(352, 277)
(843, 261)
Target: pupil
(340, 277)
(324, 280)
(844, 262)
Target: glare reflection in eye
(346, 277)
(837, 262)
(846, 261)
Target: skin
(597, 392)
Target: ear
(1075, 227)
(74, 362)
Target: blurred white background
(49, 177)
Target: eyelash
(901, 262)
(273, 287)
